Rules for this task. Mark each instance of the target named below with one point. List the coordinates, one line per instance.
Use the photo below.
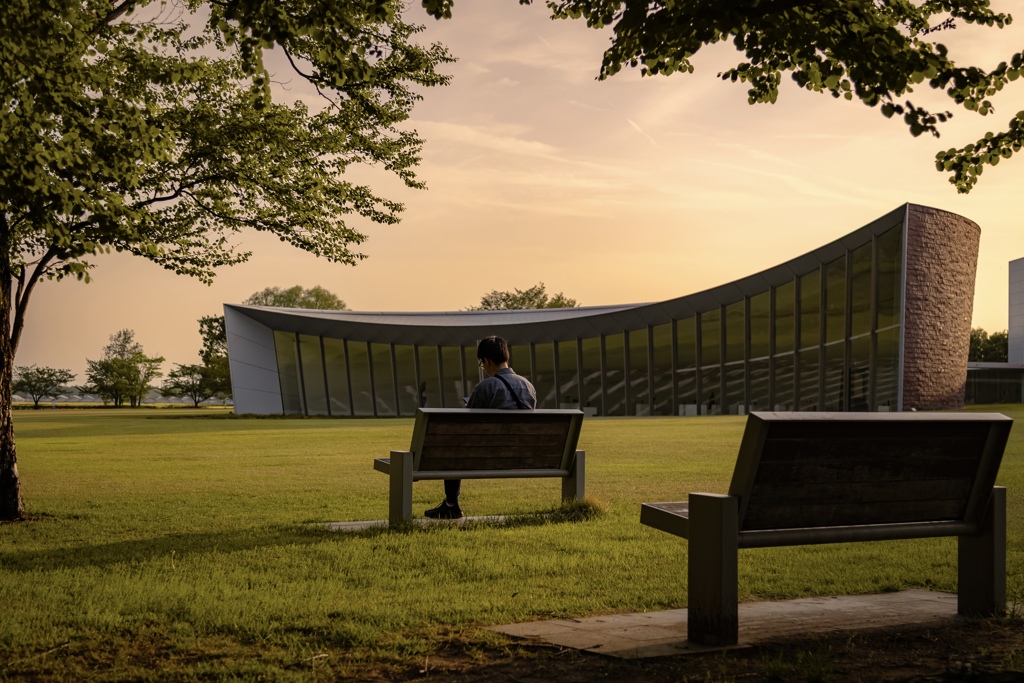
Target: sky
(620, 191)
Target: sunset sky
(620, 191)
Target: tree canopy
(520, 299)
(40, 383)
(197, 382)
(877, 52)
(149, 127)
(297, 297)
(124, 373)
(986, 348)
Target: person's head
(494, 349)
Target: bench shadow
(169, 547)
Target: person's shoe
(444, 511)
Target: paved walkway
(657, 634)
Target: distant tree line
(125, 373)
(986, 348)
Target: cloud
(500, 138)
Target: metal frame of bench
(495, 444)
(954, 445)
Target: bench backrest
(811, 470)
(457, 439)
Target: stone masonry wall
(942, 257)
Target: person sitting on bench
(503, 389)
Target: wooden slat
(840, 514)
(490, 452)
(530, 462)
(857, 491)
(843, 430)
(560, 428)
(892, 468)
(485, 441)
(670, 517)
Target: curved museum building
(878, 320)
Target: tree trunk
(12, 507)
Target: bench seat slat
(673, 517)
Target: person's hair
(494, 349)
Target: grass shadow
(145, 550)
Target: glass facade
(826, 337)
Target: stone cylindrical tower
(941, 260)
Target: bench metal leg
(400, 494)
(712, 593)
(573, 486)
(981, 581)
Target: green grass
(185, 544)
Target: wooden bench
(804, 478)
(458, 443)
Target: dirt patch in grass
(983, 651)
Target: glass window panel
(810, 310)
(785, 317)
(686, 388)
(451, 381)
(760, 325)
(615, 382)
(835, 376)
(890, 266)
(735, 389)
(860, 290)
(408, 391)
(473, 372)
(758, 372)
(686, 361)
(429, 392)
(686, 343)
(520, 361)
(711, 400)
(313, 375)
(337, 376)
(735, 332)
(887, 370)
(662, 336)
(591, 373)
(711, 336)
(835, 299)
(544, 375)
(639, 385)
(359, 374)
(383, 381)
(809, 384)
(288, 372)
(859, 383)
(568, 386)
(783, 386)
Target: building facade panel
(252, 362)
(1016, 329)
(840, 328)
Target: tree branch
(25, 288)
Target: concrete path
(657, 634)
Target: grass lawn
(185, 544)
